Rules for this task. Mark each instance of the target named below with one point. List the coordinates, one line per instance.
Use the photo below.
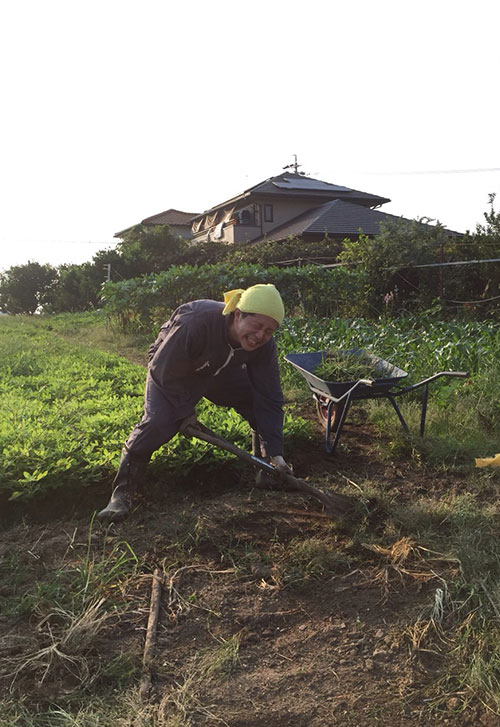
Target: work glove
(282, 467)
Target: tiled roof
(295, 185)
(333, 218)
(170, 217)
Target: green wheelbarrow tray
(333, 398)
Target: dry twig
(151, 633)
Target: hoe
(335, 505)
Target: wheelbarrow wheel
(335, 414)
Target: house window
(248, 216)
(268, 213)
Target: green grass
(66, 415)
(69, 405)
(461, 624)
(67, 408)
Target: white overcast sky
(115, 110)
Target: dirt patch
(271, 613)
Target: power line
(58, 242)
(438, 171)
(453, 262)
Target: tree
(150, 249)
(77, 289)
(24, 288)
(492, 226)
(386, 264)
(483, 280)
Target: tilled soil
(270, 613)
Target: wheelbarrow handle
(459, 374)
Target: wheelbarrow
(335, 504)
(333, 398)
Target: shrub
(148, 301)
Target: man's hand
(282, 467)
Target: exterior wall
(228, 234)
(182, 230)
(231, 234)
(244, 233)
(284, 210)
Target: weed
(65, 652)
(182, 702)
(303, 560)
(457, 635)
(120, 671)
(72, 608)
(346, 366)
(221, 659)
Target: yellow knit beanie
(262, 298)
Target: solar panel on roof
(310, 184)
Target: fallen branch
(151, 633)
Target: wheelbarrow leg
(330, 448)
(425, 397)
(398, 412)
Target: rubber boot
(128, 477)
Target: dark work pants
(160, 421)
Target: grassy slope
(271, 614)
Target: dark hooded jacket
(194, 345)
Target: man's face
(251, 331)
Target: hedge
(140, 303)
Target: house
(291, 204)
(285, 205)
(179, 222)
(288, 205)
